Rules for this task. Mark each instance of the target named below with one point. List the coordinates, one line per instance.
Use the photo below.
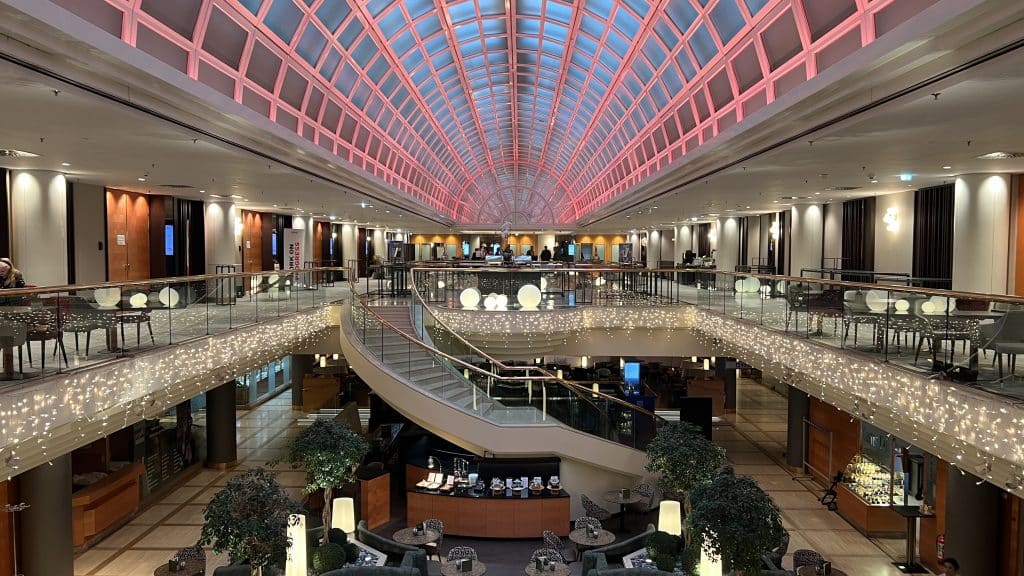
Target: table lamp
(295, 562)
(343, 515)
(669, 518)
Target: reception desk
(486, 515)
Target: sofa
(599, 567)
(245, 570)
(395, 550)
(616, 550)
(413, 564)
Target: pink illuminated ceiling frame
(552, 166)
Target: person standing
(545, 255)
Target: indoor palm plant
(248, 519)
(683, 458)
(330, 452)
(733, 519)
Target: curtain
(743, 259)
(933, 236)
(5, 217)
(859, 237)
(703, 242)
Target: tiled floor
(754, 446)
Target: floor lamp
(12, 509)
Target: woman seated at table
(10, 277)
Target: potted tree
(330, 452)
(248, 519)
(733, 519)
(683, 458)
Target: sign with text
(293, 238)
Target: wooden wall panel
(7, 496)
(375, 500)
(1018, 248)
(252, 241)
(845, 440)
(127, 219)
(932, 527)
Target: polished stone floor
(754, 445)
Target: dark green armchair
(616, 550)
(413, 564)
(599, 567)
(395, 550)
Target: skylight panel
(727, 19)
(283, 19)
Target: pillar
(349, 239)
(972, 523)
(806, 238)
(45, 536)
(799, 408)
(39, 226)
(221, 441)
(221, 244)
(302, 364)
(684, 242)
(380, 245)
(981, 233)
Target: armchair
(413, 564)
(394, 550)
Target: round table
(405, 536)
(601, 538)
(192, 567)
(452, 569)
(554, 569)
(615, 497)
(812, 571)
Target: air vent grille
(1002, 156)
(177, 186)
(841, 188)
(8, 153)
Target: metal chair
(14, 335)
(584, 521)
(645, 489)
(437, 526)
(553, 541)
(804, 557)
(593, 510)
(460, 553)
(549, 553)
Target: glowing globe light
(440, 284)
(138, 300)
(528, 297)
(169, 297)
(469, 298)
(107, 297)
(902, 305)
(928, 307)
(501, 301)
(876, 300)
(491, 302)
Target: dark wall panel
(933, 236)
(858, 236)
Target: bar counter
(489, 515)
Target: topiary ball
(337, 536)
(662, 543)
(665, 562)
(328, 557)
(351, 552)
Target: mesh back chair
(461, 553)
(550, 553)
(804, 557)
(593, 510)
(553, 541)
(645, 489)
(779, 551)
(584, 521)
(14, 335)
(434, 548)
(195, 552)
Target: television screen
(631, 373)
(168, 239)
(273, 243)
(572, 249)
(465, 249)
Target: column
(806, 238)
(894, 243)
(972, 522)
(981, 233)
(45, 537)
(380, 246)
(349, 237)
(221, 245)
(221, 442)
(39, 226)
(799, 408)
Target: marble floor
(753, 444)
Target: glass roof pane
(559, 12)
(703, 45)
(727, 19)
(462, 12)
(332, 12)
(626, 24)
(283, 19)
(602, 8)
(364, 51)
(348, 36)
(377, 6)
(417, 8)
(755, 6)
(682, 14)
(492, 7)
(311, 45)
(254, 5)
(403, 43)
(392, 22)
(330, 64)
(531, 7)
(592, 26)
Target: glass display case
(888, 471)
(873, 483)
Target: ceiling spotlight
(275, 205)
(874, 181)
(65, 164)
(947, 167)
(202, 191)
(235, 196)
(141, 179)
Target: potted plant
(683, 458)
(330, 452)
(248, 519)
(733, 519)
(663, 549)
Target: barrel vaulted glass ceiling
(494, 111)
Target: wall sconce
(583, 361)
(432, 463)
(713, 235)
(892, 219)
(774, 230)
(596, 388)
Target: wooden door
(127, 236)
(252, 241)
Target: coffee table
(615, 497)
(405, 536)
(554, 569)
(601, 537)
(452, 569)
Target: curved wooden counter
(489, 516)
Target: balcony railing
(59, 329)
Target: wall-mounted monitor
(631, 373)
(168, 239)
(273, 243)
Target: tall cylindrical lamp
(670, 518)
(343, 515)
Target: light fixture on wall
(713, 235)
(774, 230)
(891, 219)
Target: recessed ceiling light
(202, 191)
(874, 181)
(235, 196)
(947, 167)
(65, 164)
(275, 205)
(906, 177)
(817, 193)
(215, 196)
(141, 179)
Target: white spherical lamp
(441, 284)
(138, 300)
(469, 298)
(902, 305)
(528, 297)
(876, 300)
(501, 301)
(107, 297)
(491, 302)
(928, 307)
(169, 297)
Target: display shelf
(872, 482)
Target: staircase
(420, 367)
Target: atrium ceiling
(525, 112)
